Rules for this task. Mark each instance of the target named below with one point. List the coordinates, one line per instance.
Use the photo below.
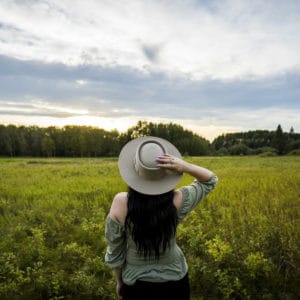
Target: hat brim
(138, 183)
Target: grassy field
(242, 241)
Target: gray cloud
(122, 91)
(151, 52)
(4, 26)
(40, 113)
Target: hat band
(150, 174)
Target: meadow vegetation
(242, 241)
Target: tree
(35, 139)
(280, 140)
(141, 129)
(186, 141)
(10, 140)
(240, 149)
(47, 146)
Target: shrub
(240, 149)
(222, 152)
(266, 149)
(294, 152)
(268, 154)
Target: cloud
(211, 65)
(59, 90)
(201, 39)
(151, 52)
(121, 86)
(38, 108)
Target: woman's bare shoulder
(118, 210)
(177, 200)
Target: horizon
(124, 131)
(213, 67)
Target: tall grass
(241, 242)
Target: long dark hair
(152, 220)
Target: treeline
(69, 141)
(86, 141)
(258, 142)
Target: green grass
(242, 241)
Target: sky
(211, 66)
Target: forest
(86, 141)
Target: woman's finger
(166, 166)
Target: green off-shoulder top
(172, 265)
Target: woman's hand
(175, 164)
(119, 282)
(171, 163)
(119, 290)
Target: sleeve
(194, 193)
(116, 243)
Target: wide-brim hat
(138, 165)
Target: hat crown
(148, 152)
(145, 160)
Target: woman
(141, 225)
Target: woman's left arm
(119, 281)
(116, 239)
